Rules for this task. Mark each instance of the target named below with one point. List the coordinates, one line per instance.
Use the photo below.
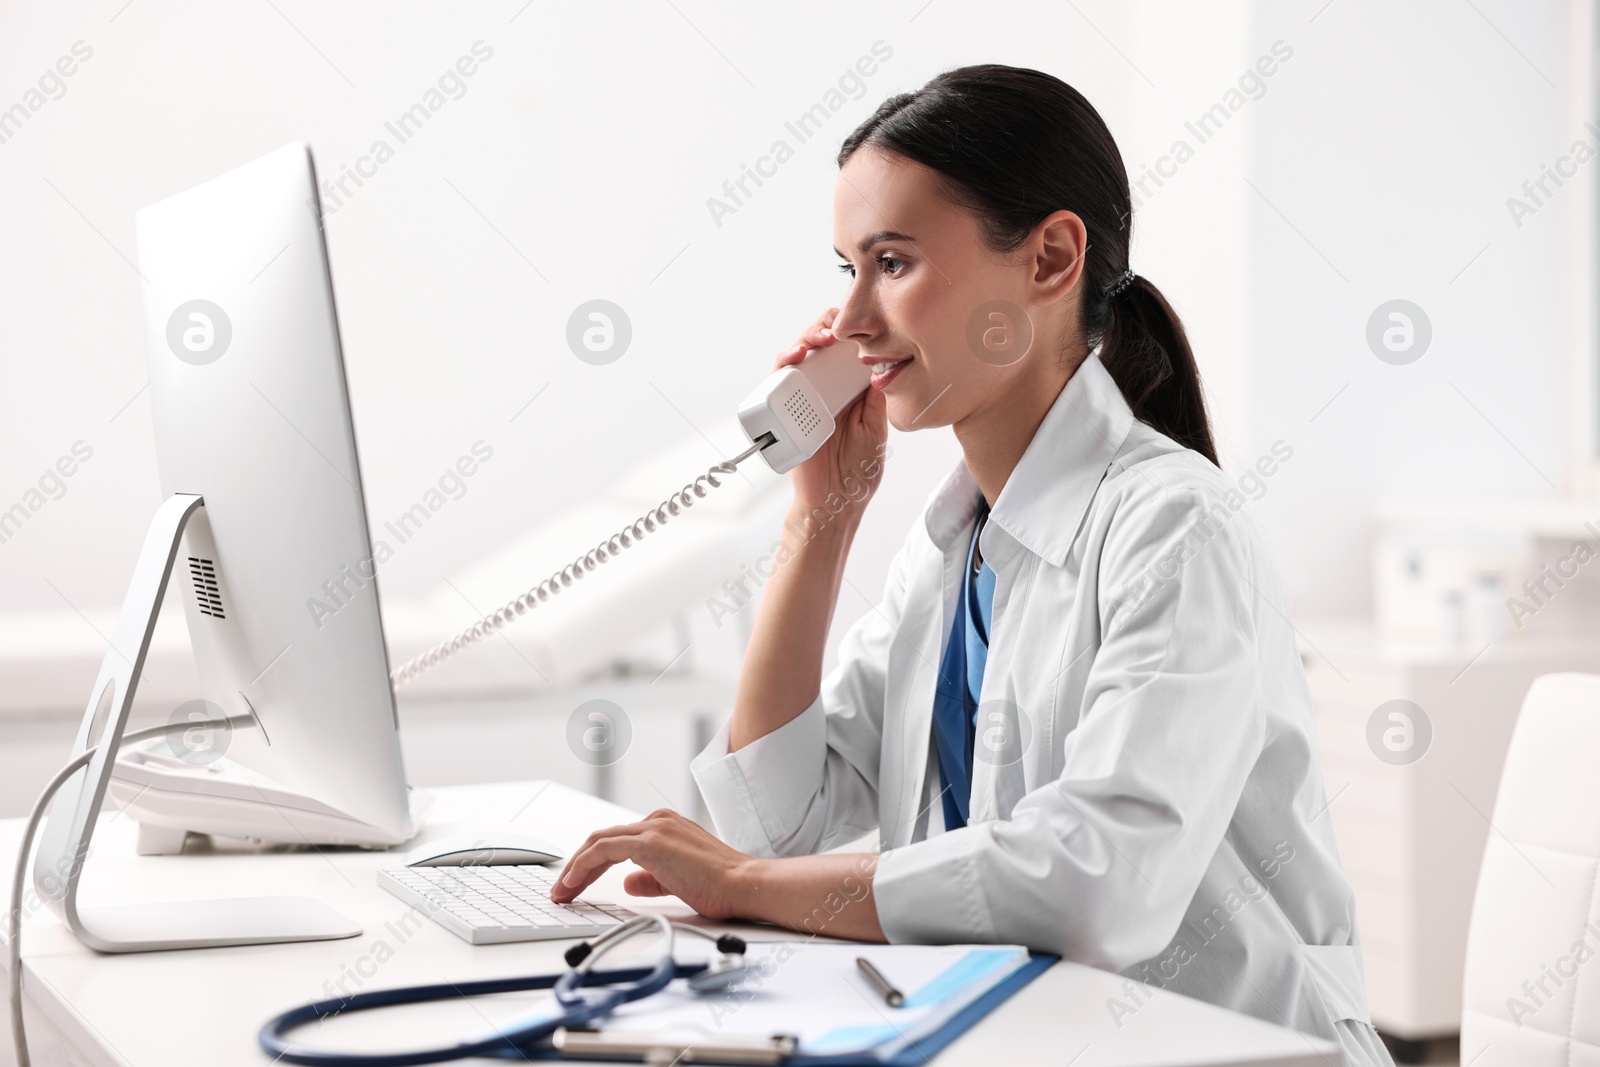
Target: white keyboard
(489, 905)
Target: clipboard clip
(663, 1051)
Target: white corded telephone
(787, 418)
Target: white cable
(19, 873)
(629, 536)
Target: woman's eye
(886, 265)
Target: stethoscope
(583, 993)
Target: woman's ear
(1058, 244)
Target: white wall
(1375, 163)
(1391, 146)
(591, 140)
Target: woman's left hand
(680, 858)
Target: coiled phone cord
(646, 524)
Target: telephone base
(169, 798)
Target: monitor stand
(58, 866)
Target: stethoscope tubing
(274, 1035)
(576, 1009)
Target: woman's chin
(909, 410)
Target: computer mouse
(482, 850)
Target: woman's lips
(885, 371)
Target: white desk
(203, 1007)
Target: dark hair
(1014, 145)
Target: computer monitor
(259, 468)
(264, 528)
(251, 412)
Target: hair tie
(1121, 283)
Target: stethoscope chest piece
(725, 972)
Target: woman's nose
(856, 320)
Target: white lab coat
(1146, 794)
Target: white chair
(1531, 997)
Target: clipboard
(764, 1048)
(926, 1048)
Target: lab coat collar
(1046, 497)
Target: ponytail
(1145, 350)
(1014, 146)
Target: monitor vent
(800, 411)
(207, 594)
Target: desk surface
(204, 1007)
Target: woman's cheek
(916, 311)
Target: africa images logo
(199, 332)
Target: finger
(818, 336)
(589, 863)
(814, 338)
(855, 418)
(619, 830)
(644, 884)
(874, 412)
(790, 356)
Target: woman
(1078, 720)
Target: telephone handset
(798, 404)
(787, 418)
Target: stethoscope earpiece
(727, 970)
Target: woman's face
(953, 328)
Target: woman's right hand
(782, 671)
(849, 465)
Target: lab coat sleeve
(1101, 864)
(812, 783)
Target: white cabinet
(1411, 836)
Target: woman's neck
(994, 437)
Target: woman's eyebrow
(881, 235)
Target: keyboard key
(506, 903)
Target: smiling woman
(1059, 152)
(1051, 752)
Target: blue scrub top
(955, 702)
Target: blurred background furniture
(1531, 998)
(1443, 636)
(1411, 837)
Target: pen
(891, 996)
